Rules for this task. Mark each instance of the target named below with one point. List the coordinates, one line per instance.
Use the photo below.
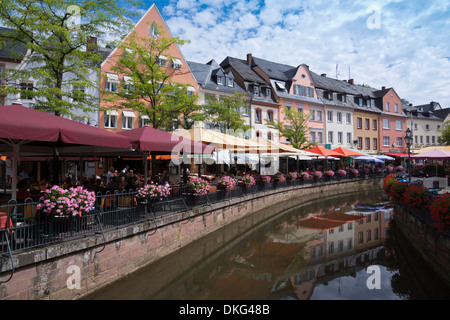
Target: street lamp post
(408, 141)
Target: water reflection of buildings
(303, 252)
(346, 242)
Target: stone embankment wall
(432, 245)
(72, 269)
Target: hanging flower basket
(197, 186)
(227, 183)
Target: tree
(226, 113)
(62, 60)
(296, 131)
(444, 138)
(150, 90)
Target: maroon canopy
(150, 139)
(19, 122)
(436, 154)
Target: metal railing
(23, 226)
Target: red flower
(440, 212)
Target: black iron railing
(24, 227)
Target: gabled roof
(243, 69)
(335, 85)
(432, 106)
(204, 73)
(275, 70)
(442, 114)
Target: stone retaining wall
(433, 246)
(72, 269)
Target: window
(127, 119)
(427, 127)
(374, 125)
(319, 137)
(77, 93)
(300, 108)
(386, 124)
(269, 136)
(339, 117)
(368, 235)
(386, 141)
(256, 90)
(396, 107)
(268, 92)
(375, 234)
(144, 121)
(26, 90)
(359, 123)
(340, 137)
(341, 97)
(415, 126)
(258, 116)
(161, 61)
(312, 115)
(428, 139)
(433, 139)
(270, 115)
(421, 139)
(258, 134)
(330, 136)
(399, 125)
(312, 136)
(375, 143)
(367, 121)
(359, 143)
(110, 119)
(153, 30)
(348, 117)
(220, 80)
(127, 84)
(388, 106)
(330, 116)
(367, 143)
(360, 237)
(176, 63)
(112, 82)
(303, 91)
(349, 138)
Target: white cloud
(410, 51)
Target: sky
(399, 44)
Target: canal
(342, 247)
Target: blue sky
(399, 44)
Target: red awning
(150, 139)
(401, 155)
(21, 123)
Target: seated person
(22, 192)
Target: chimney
(323, 74)
(91, 43)
(383, 87)
(351, 81)
(249, 58)
(410, 104)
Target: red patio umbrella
(150, 139)
(347, 152)
(41, 133)
(324, 152)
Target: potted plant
(398, 190)
(291, 176)
(197, 186)
(153, 192)
(62, 202)
(248, 181)
(227, 183)
(341, 173)
(317, 175)
(304, 176)
(440, 212)
(328, 174)
(354, 171)
(416, 197)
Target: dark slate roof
(336, 85)
(275, 70)
(442, 114)
(243, 69)
(204, 73)
(428, 107)
(11, 50)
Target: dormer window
(230, 82)
(280, 86)
(220, 80)
(341, 97)
(268, 92)
(255, 89)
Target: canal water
(340, 248)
